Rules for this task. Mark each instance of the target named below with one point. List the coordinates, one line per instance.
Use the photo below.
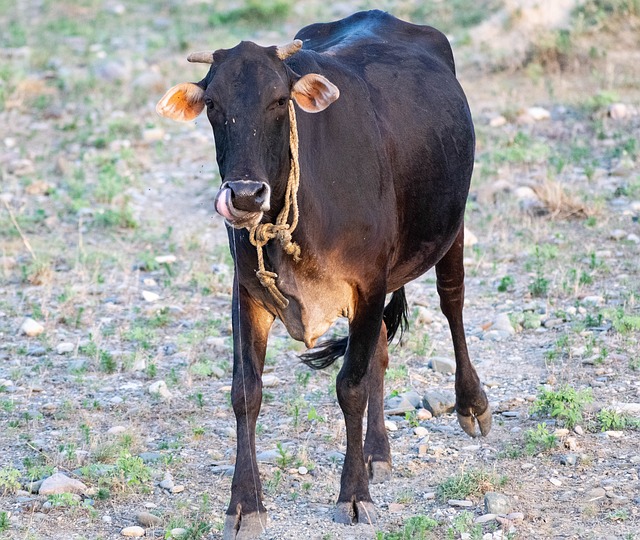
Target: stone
(555, 482)
(178, 533)
(422, 316)
(167, 483)
(302, 470)
(617, 111)
(502, 323)
(166, 259)
(150, 457)
(390, 425)
(569, 459)
(486, 518)
(538, 113)
(150, 296)
(36, 351)
(61, 483)
(31, 327)
(65, 348)
(421, 431)
(460, 503)
(424, 414)
(596, 494)
(177, 489)
(439, 402)
(270, 381)
(498, 121)
(147, 519)
(159, 388)
(441, 364)
(133, 531)
(617, 234)
(496, 503)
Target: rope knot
(260, 234)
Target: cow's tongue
(224, 206)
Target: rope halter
(261, 234)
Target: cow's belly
(313, 307)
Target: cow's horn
(285, 51)
(202, 57)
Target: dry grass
(559, 203)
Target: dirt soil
(94, 190)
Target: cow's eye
(282, 101)
(208, 102)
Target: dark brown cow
(327, 213)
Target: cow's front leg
(246, 516)
(377, 453)
(471, 400)
(354, 502)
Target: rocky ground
(115, 357)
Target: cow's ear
(314, 93)
(183, 102)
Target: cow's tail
(394, 317)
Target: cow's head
(246, 94)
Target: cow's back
(422, 116)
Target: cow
(345, 158)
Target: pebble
(390, 425)
(150, 457)
(496, 503)
(538, 113)
(159, 388)
(302, 470)
(177, 489)
(178, 532)
(36, 351)
(440, 364)
(133, 531)
(555, 482)
(167, 483)
(421, 431)
(270, 381)
(61, 483)
(423, 316)
(614, 434)
(150, 296)
(596, 494)
(569, 459)
(498, 121)
(485, 518)
(439, 402)
(424, 414)
(65, 348)
(460, 503)
(147, 519)
(617, 111)
(31, 328)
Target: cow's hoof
(379, 471)
(244, 526)
(468, 423)
(350, 513)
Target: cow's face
(246, 95)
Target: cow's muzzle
(243, 202)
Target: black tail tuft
(394, 317)
(330, 352)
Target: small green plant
(196, 531)
(284, 459)
(9, 480)
(64, 500)
(412, 418)
(565, 404)
(468, 483)
(415, 528)
(611, 420)
(131, 470)
(5, 522)
(463, 524)
(539, 440)
(506, 283)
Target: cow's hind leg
(354, 501)
(471, 401)
(377, 453)
(246, 516)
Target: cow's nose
(249, 195)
